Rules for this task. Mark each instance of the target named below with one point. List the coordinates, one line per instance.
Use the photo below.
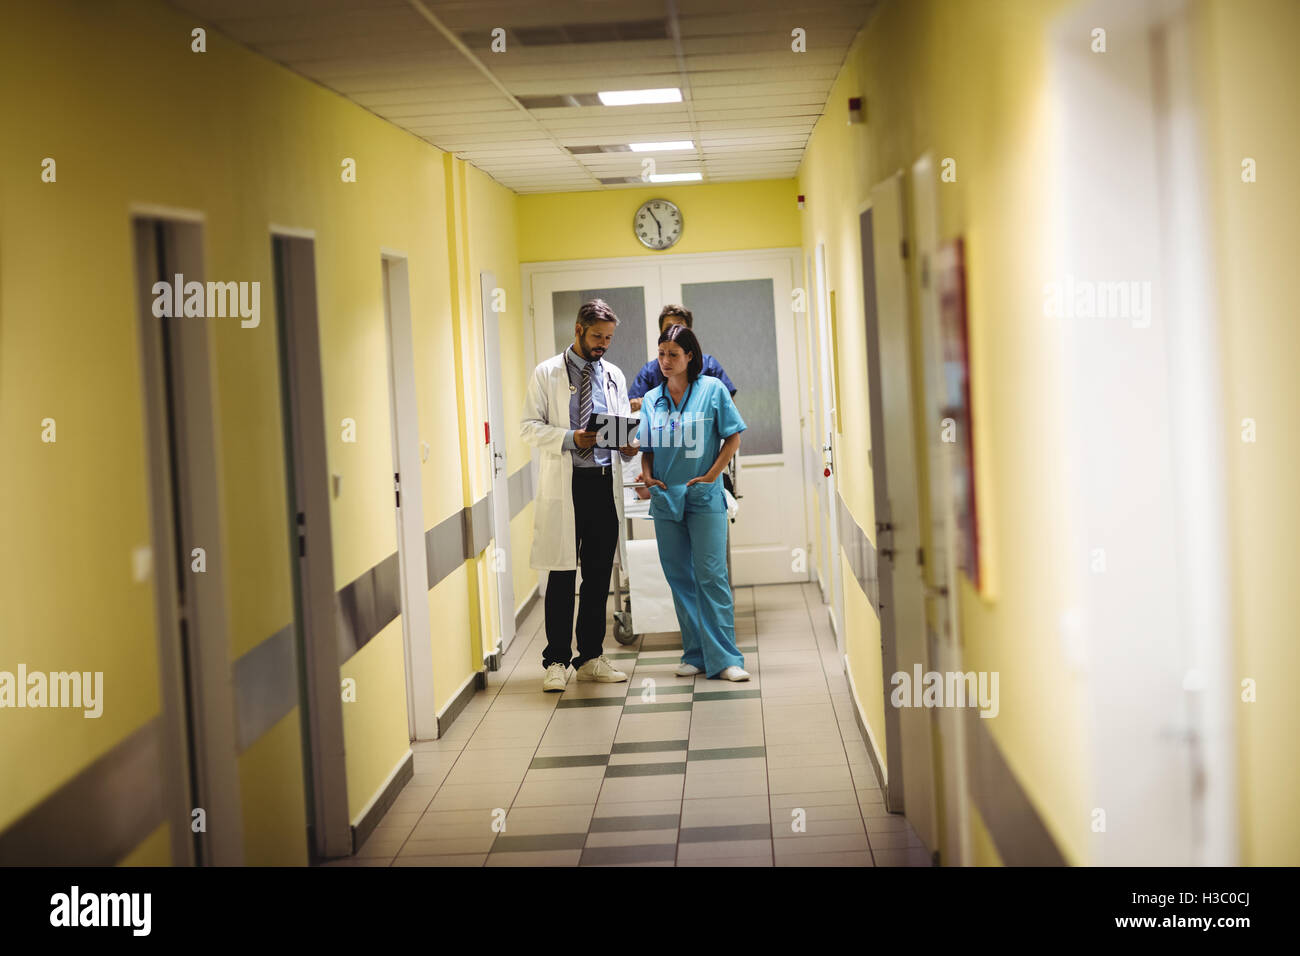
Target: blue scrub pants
(693, 554)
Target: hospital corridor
(488, 434)
(603, 777)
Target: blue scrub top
(685, 442)
(650, 376)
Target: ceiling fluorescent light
(676, 177)
(661, 147)
(635, 97)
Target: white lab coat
(544, 423)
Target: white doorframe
(308, 495)
(830, 499)
(404, 411)
(187, 514)
(946, 638)
(816, 450)
(810, 463)
(896, 489)
(500, 561)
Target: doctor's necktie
(584, 408)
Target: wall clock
(657, 224)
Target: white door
(834, 592)
(500, 562)
(307, 494)
(897, 502)
(197, 746)
(743, 318)
(421, 713)
(812, 467)
(816, 449)
(944, 622)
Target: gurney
(647, 591)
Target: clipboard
(611, 430)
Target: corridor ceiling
(528, 116)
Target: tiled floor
(659, 771)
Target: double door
(741, 303)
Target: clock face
(658, 224)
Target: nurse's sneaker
(734, 673)
(600, 669)
(556, 678)
(687, 670)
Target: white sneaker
(687, 670)
(734, 673)
(556, 678)
(600, 669)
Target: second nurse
(689, 430)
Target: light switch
(424, 451)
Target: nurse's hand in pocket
(705, 478)
(651, 482)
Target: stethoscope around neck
(665, 401)
(611, 386)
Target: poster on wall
(955, 406)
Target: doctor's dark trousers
(596, 527)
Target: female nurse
(689, 430)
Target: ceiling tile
(749, 101)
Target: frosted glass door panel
(632, 291)
(629, 349)
(735, 322)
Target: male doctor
(578, 510)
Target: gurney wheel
(623, 628)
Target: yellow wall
(863, 649)
(154, 850)
(960, 101)
(521, 535)
(453, 648)
(1249, 64)
(248, 144)
(72, 512)
(493, 247)
(375, 735)
(275, 815)
(717, 217)
(983, 850)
